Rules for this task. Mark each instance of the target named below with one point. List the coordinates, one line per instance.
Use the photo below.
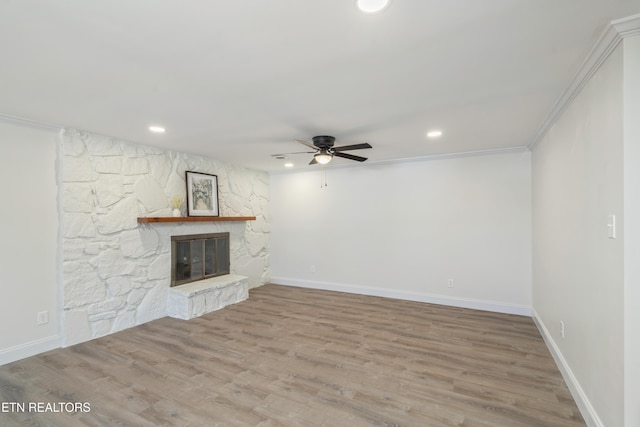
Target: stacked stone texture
(116, 272)
(204, 296)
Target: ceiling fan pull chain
(323, 177)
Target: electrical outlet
(43, 317)
(562, 329)
(313, 268)
(450, 283)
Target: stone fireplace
(200, 276)
(116, 272)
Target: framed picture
(202, 194)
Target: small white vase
(176, 212)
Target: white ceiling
(241, 80)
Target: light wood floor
(299, 357)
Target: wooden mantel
(148, 220)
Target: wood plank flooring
(300, 357)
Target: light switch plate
(611, 226)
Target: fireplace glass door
(199, 256)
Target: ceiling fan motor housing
(323, 141)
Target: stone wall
(116, 272)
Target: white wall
(403, 229)
(578, 270)
(29, 230)
(632, 228)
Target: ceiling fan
(324, 150)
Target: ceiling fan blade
(313, 161)
(352, 147)
(350, 157)
(308, 144)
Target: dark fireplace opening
(199, 256)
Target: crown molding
(28, 122)
(608, 41)
(488, 152)
(627, 27)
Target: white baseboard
(497, 307)
(32, 348)
(584, 405)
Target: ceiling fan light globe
(323, 158)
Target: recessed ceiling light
(372, 6)
(288, 165)
(156, 129)
(434, 134)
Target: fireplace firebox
(199, 256)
